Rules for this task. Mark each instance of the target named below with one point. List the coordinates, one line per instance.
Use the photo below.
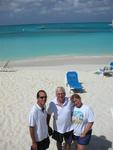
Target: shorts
(43, 145)
(83, 140)
(67, 136)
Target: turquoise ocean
(35, 40)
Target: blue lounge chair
(111, 64)
(73, 82)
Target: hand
(83, 134)
(34, 146)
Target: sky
(52, 11)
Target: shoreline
(59, 61)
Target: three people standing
(72, 120)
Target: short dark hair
(38, 93)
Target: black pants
(43, 145)
(67, 136)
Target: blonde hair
(75, 96)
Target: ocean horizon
(38, 40)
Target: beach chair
(108, 71)
(73, 82)
(111, 64)
(5, 68)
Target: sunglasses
(43, 97)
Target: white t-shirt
(38, 119)
(61, 115)
(80, 117)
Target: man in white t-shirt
(38, 123)
(60, 107)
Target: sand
(18, 93)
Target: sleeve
(31, 119)
(90, 115)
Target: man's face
(42, 99)
(60, 96)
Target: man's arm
(32, 134)
(48, 119)
(50, 131)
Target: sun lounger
(5, 68)
(73, 82)
(111, 64)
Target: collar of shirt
(42, 109)
(65, 101)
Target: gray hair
(60, 88)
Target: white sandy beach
(18, 93)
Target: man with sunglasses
(60, 107)
(38, 123)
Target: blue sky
(50, 11)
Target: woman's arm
(86, 129)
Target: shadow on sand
(97, 143)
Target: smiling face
(41, 98)
(76, 100)
(60, 94)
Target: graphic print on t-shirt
(77, 117)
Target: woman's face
(77, 102)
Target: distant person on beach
(38, 123)
(60, 107)
(82, 122)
